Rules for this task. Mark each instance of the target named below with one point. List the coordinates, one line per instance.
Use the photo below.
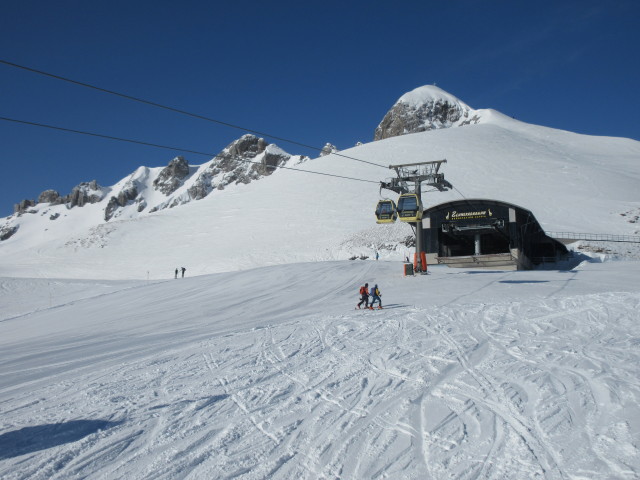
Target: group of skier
(365, 293)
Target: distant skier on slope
(375, 295)
(364, 296)
(183, 270)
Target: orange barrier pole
(423, 262)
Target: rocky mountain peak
(425, 108)
(328, 149)
(247, 145)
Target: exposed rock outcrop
(21, 207)
(84, 193)
(128, 194)
(273, 157)
(171, 177)
(6, 231)
(50, 196)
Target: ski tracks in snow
(475, 392)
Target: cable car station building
(486, 233)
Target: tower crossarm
(418, 169)
(418, 173)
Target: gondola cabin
(386, 211)
(409, 207)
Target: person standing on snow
(375, 295)
(364, 296)
(176, 273)
(183, 270)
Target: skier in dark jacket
(364, 296)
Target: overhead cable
(182, 112)
(207, 154)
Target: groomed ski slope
(271, 373)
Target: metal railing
(487, 260)
(595, 237)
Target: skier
(375, 295)
(183, 270)
(364, 296)
(176, 273)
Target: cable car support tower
(410, 203)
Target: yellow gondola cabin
(386, 211)
(409, 207)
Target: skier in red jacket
(364, 296)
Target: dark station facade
(486, 233)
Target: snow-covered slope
(271, 374)
(571, 182)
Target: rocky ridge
(246, 159)
(82, 194)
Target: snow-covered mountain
(426, 108)
(151, 189)
(571, 182)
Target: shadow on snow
(523, 281)
(33, 439)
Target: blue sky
(313, 72)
